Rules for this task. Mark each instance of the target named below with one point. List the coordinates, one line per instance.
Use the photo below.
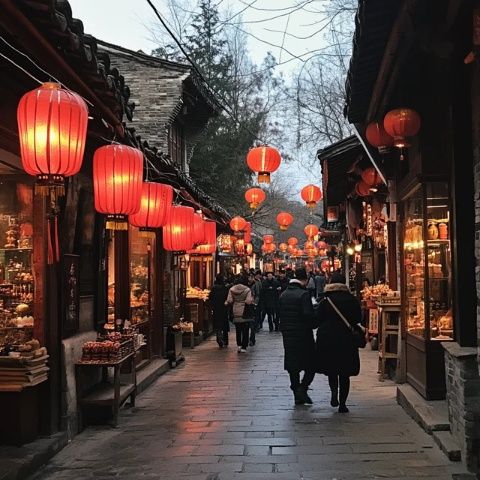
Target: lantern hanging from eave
(284, 220)
(283, 247)
(378, 137)
(52, 129)
(237, 224)
(263, 160)
(247, 232)
(362, 189)
(178, 233)
(225, 243)
(199, 236)
(322, 245)
(248, 248)
(117, 183)
(240, 247)
(155, 204)
(291, 249)
(210, 245)
(371, 177)
(268, 239)
(292, 241)
(311, 230)
(401, 124)
(268, 248)
(311, 194)
(255, 196)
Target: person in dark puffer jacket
(297, 321)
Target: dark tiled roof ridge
(337, 147)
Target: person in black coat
(336, 354)
(269, 295)
(297, 319)
(217, 297)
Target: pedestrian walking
(283, 281)
(270, 291)
(240, 297)
(255, 288)
(217, 298)
(320, 282)
(336, 351)
(311, 287)
(297, 321)
(259, 309)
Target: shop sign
(332, 214)
(71, 295)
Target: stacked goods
(19, 372)
(112, 348)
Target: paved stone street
(224, 415)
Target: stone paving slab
(228, 416)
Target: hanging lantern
(210, 245)
(292, 241)
(240, 247)
(237, 224)
(255, 196)
(322, 245)
(268, 248)
(362, 189)
(378, 137)
(311, 230)
(283, 247)
(247, 233)
(248, 248)
(284, 220)
(291, 249)
(117, 183)
(311, 194)
(52, 128)
(325, 265)
(225, 243)
(263, 160)
(199, 234)
(155, 204)
(371, 177)
(268, 239)
(178, 233)
(402, 123)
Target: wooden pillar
(122, 275)
(392, 255)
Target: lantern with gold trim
(264, 160)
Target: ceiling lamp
(284, 220)
(52, 129)
(311, 194)
(263, 160)
(117, 183)
(378, 137)
(255, 196)
(178, 232)
(155, 204)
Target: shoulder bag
(358, 334)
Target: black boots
(334, 399)
(301, 396)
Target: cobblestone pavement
(227, 416)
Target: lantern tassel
(56, 240)
(49, 243)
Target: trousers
(242, 330)
(336, 381)
(307, 379)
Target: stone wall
(463, 399)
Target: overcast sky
(129, 23)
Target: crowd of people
(297, 304)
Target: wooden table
(106, 393)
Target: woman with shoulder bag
(241, 299)
(339, 336)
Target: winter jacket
(297, 320)
(320, 282)
(270, 295)
(256, 289)
(217, 297)
(336, 353)
(283, 284)
(238, 296)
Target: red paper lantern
(178, 232)
(209, 247)
(311, 230)
(378, 137)
(292, 241)
(263, 160)
(362, 189)
(325, 265)
(156, 202)
(283, 247)
(237, 224)
(240, 247)
(267, 239)
(371, 177)
(255, 196)
(311, 194)
(268, 248)
(248, 248)
(322, 245)
(308, 245)
(247, 235)
(402, 123)
(52, 128)
(225, 243)
(117, 183)
(199, 236)
(284, 220)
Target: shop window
(16, 249)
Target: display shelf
(140, 324)
(27, 249)
(104, 394)
(101, 363)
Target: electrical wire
(21, 68)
